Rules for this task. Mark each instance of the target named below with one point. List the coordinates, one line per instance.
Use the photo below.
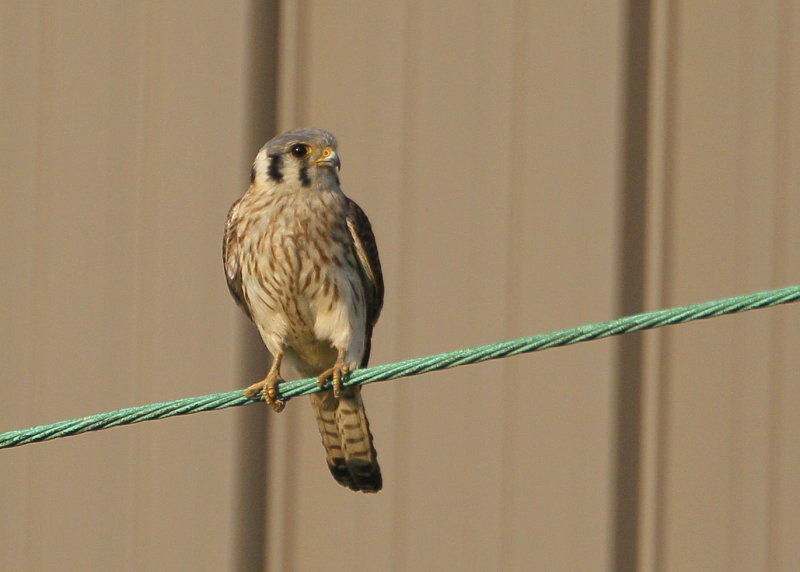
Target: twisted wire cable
(409, 367)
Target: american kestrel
(301, 260)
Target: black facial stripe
(274, 170)
(304, 180)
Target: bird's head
(304, 158)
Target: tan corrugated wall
(723, 397)
(489, 166)
(123, 138)
(526, 165)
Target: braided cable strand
(635, 323)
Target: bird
(301, 260)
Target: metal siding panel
(479, 139)
(18, 152)
(784, 503)
(719, 398)
(370, 66)
(566, 259)
(722, 389)
(126, 164)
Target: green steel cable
(635, 323)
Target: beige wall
(491, 178)
(123, 143)
(526, 165)
(723, 401)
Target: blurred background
(527, 166)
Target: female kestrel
(301, 260)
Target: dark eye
(299, 150)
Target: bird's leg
(269, 386)
(336, 372)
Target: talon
(272, 398)
(254, 390)
(336, 373)
(268, 387)
(337, 380)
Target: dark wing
(231, 258)
(371, 275)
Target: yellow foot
(336, 373)
(269, 387)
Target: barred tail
(344, 429)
